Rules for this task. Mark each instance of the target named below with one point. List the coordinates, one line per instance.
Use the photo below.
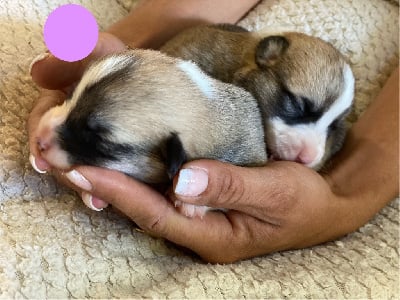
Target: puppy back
(149, 96)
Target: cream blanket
(52, 246)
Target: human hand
(281, 206)
(58, 78)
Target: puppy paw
(191, 210)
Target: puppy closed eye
(292, 105)
(298, 109)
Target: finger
(47, 100)
(90, 201)
(155, 214)
(259, 191)
(53, 73)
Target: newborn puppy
(303, 85)
(145, 114)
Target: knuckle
(282, 199)
(231, 189)
(283, 193)
(153, 225)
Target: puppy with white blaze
(303, 85)
(145, 114)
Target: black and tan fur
(145, 114)
(295, 77)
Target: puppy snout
(311, 153)
(42, 144)
(44, 138)
(307, 155)
(50, 149)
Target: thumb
(214, 184)
(53, 73)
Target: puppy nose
(44, 138)
(42, 144)
(306, 156)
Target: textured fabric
(52, 246)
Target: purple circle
(70, 32)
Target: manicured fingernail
(191, 182)
(32, 160)
(37, 59)
(77, 178)
(88, 200)
(100, 204)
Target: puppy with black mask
(144, 113)
(303, 85)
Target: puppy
(145, 114)
(303, 85)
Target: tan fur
(311, 67)
(213, 60)
(307, 67)
(169, 105)
(141, 101)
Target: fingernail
(88, 200)
(100, 204)
(32, 160)
(37, 59)
(77, 178)
(191, 182)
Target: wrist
(151, 23)
(359, 196)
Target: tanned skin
(283, 205)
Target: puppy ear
(269, 49)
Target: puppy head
(57, 129)
(92, 127)
(305, 90)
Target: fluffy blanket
(52, 246)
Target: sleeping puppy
(145, 114)
(303, 85)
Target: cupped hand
(281, 206)
(57, 78)
(55, 74)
